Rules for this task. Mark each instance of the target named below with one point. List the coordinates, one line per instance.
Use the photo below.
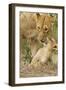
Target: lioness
(35, 27)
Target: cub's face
(44, 25)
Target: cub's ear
(38, 15)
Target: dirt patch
(47, 69)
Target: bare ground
(47, 69)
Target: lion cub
(43, 54)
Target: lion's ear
(38, 15)
(53, 18)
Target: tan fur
(43, 54)
(35, 27)
(44, 25)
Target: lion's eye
(45, 29)
(38, 27)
